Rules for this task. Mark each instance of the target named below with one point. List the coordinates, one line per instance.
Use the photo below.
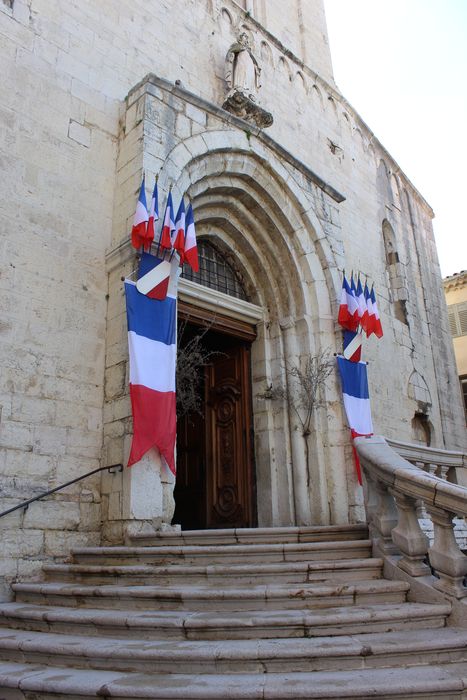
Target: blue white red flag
(356, 395)
(140, 221)
(179, 234)
(153, 217)
(354, 380)
(153, 276)
(353, 346)
(348, 308)
(365, 322)
(191, 247)
(361, 301)
(152, 350)
(168, 225)
(377, 328)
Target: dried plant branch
(303, 393)
(303, 390)
(192, 358)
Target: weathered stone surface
(177, 634)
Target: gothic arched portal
(247, 204)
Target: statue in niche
(243, 71)
(242, 76)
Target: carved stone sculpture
(242, 69)
(242, 76)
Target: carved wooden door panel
(229, 470)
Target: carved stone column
(409, 537)
(445, 556)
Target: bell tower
(303, 30)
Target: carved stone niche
(242, 75)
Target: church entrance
(215, 486)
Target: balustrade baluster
(445, 556)
(384, 519)
(421, 510)
(409, 537)
(443, 472)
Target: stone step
(246, 574)
(227, 554)
(405, 648)
(194, 598)
(143, 624)
(251, 535)
(28, 681)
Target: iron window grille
(215, 272)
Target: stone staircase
(253, 613)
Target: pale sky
(402, 64)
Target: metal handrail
(25, 504)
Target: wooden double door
(215, 485)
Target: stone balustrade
(448, 465)
(394, 488)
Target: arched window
(216, 272)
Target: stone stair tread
(249, 534)
(260, 592)
(427, 681)
(281, 551)
(220, 548)
(213, 569)
(246, 619)
(405, 642)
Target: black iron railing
(112, 469)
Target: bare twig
(303, 390)
(192, 358)
(303, 393)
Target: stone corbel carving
(242, 75)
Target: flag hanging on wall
(153, 276)
(179, 233)
(354, 379)
(152, 352)
(153, 217)
(168, 225)
(348, 308)
(374, 321)
(191, 248)
(353, 346)
(140, 221)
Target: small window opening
(216, 272)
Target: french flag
(354, 379)
(374, 321)
(191, 248)
(179, 235)
(152, 352)
(168, 226)
(362, 307)
(348, 308)
(365, 322)
(352, 346)
(153, 217)
(153, 276)
(140, 222)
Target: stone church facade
(289, 187)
